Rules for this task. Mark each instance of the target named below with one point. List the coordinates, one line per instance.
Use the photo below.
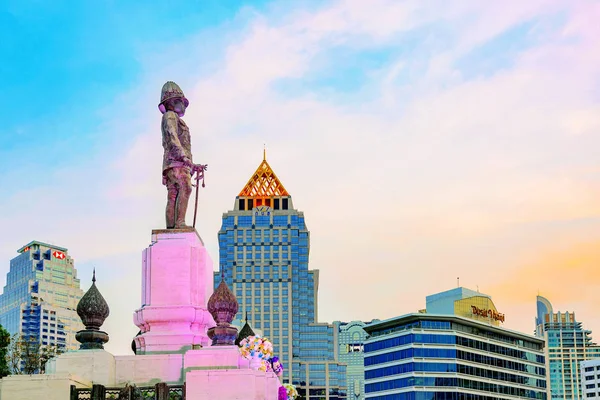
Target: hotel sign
(482, 312)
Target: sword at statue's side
(199, 171)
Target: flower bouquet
(258, 350)
(292, 393)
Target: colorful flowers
(256, 347)
(292, 393)
(276, 366)
(282, 395)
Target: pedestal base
(96, 366)
(220, 372)
(237, 384)
(38, 386)
(177, 281)
(210, 373)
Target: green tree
(25, 355)
(4, 343)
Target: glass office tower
(41, 294)
(263, 253)
(567, 346)
(433, 357)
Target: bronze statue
(178, 167)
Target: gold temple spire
(263, 183)
(264, 152)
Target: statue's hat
(171, 90)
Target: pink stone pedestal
(177, 281)
(219, 372)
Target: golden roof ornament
(264, 182)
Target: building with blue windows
(263, 253)
(426, 356)
(567, 346)
(41, 294)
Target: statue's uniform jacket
(175, 140)
(176, 175)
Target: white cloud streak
(445, 175)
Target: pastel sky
(424, 140)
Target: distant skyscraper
(567, 345)
(351, 339)
(543, 307)
(453, 350)
(263, 253)
(41, 294)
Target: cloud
(423, 173)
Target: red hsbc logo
(59, 255)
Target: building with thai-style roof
(263, 254)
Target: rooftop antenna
(458, 281)
(264, 152)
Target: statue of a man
(177, 160)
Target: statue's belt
(177, 164)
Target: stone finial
(223, 306)
(93, 310)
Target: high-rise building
(590, 378)
(429, 357)
(452, 350)
(351, 339)
(41, 294)
(543, 308)
(263, 254)
(567, 345)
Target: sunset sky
(424, 141)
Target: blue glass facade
(41, 296)
(422, 356)
(263, 253)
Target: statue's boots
(183, 198)
(179, 188)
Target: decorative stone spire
(244, 332)
(93, 310)
(223, 306)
